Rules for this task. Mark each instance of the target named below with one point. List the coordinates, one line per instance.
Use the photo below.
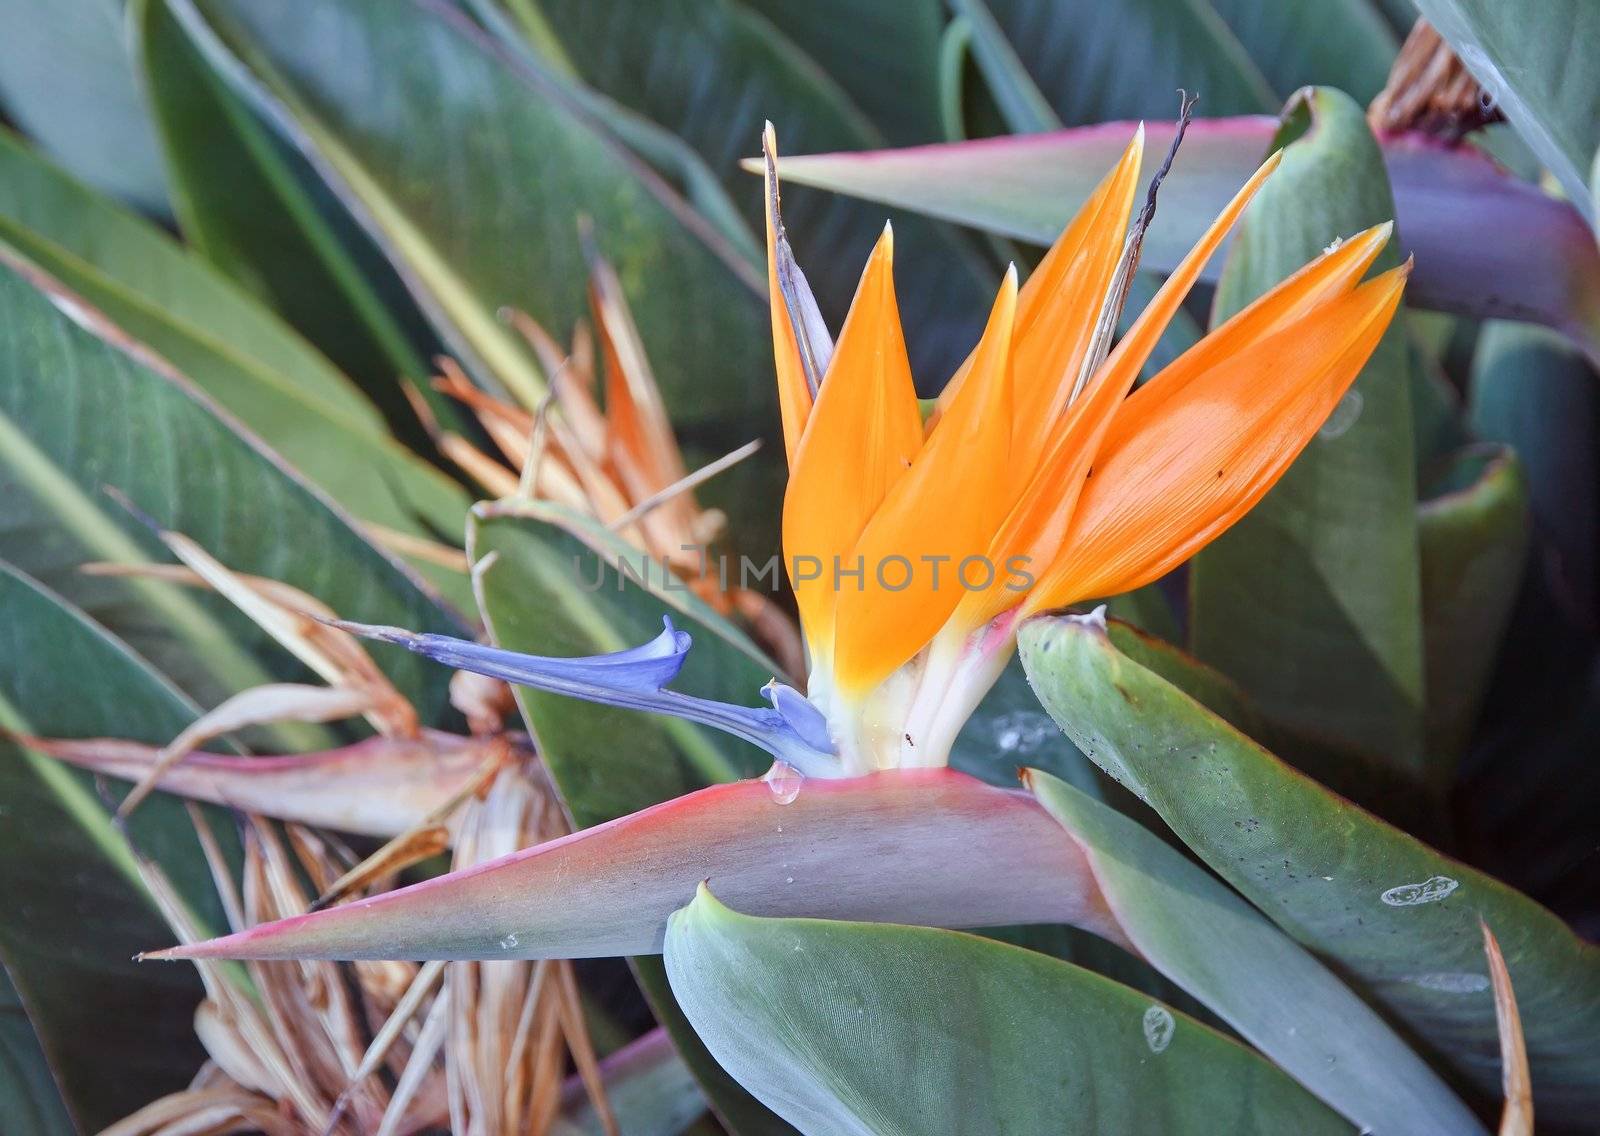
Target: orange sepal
(1057, 307)
(863, 434)
(947, 505)
(1168, 483)
(1037, 526)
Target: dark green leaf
(235, 351)
(472, 174)
(886, 56)
(66, 79)
(1474, 538)
(1311, 601)
(524, 32)
(1534, 393)
(116, 1034)
(1397, 918)
(82, 410)
(1098, 62)
(28, 1093)
(1019, 101)
(1201, 935)
(1302, 43)
(711, 72)
(257, 210)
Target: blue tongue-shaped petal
(642, 669)
(793, 731)
(800, 714)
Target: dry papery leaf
(312, 1048)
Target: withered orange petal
(943, 510)
(863, 434)
(1163, 489)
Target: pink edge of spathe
(1246, 127)
(927, 846)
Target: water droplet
(1430, 890)
(1158, 1027)
(1343, 417)
(508, 942)
(783, 780)
(1023, 730)
(1447, 983)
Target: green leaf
(237, 352)
(1532, 392)
(527, 35)
(1018, 99)
(66, 79)
(1202, 936)
(710, 71)
(82, 409)
(869, 1028)
(116, 1034)
(1100, 62)
(536, 597)
(1537, 62)
(43, 207)
(472, 174)
(1303, 43)
(1473, 534)
(1397, 918)
(1311, 601)
(257, 210)
(648, 1088)
(27, 1091)
(885, 56)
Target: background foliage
(235, 234)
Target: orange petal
(1334, 273)
(862, 435)
(1168, 483)
(800, 343)
(943, 510)
(1057, 308)
(1037, 526)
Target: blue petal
(800, 713)
(645, 668)
(794, 731)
